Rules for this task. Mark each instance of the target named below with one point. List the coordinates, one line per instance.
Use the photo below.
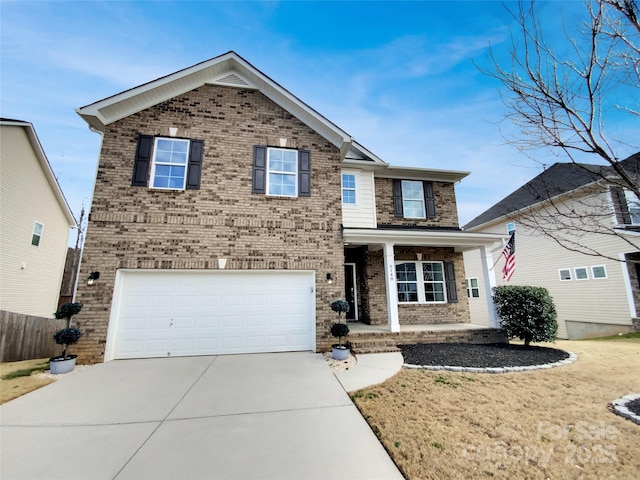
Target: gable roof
(230, 70)
(559, 179)
(44, 165)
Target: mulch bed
(634, 406)
(480, 356)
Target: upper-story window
(281, 172)
(633, 206)
(167, 163)
(413, 199)
(37, 233)
(170, 163)
(348, 188)
(282, 177)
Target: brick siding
(137, 227)
(445, 200)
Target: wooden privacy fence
(24, 337)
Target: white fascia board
(46, 168)
(452, 176)
(460, 241)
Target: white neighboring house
(35, 223)
(593, 295)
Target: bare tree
(558, 100)
(558, 95)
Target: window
(170, 163)
(581, 273)
(37, 233)
(633, 205)
(407, 282)
(348, 188)
(472, 288)
(175, 163)
(599, 271)
(565, 274)
(282, 172)
(421, 282)
(412, 199)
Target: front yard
(552, 424)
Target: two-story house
(578, 236)
(228, 214)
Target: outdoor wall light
(329, 279)
(93, 276)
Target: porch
(377, 338)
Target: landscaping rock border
(620, 407)
(572, 358)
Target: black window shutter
(398, 211)
(429, 199)
(450, 279)
(259, 169)
(195, 164)
(304, 173)
(142, 161)
(622, 202)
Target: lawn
(18, 378)
(547, 424)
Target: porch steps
(380, 342)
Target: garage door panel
(203, 313)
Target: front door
(350, 291)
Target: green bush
(527, 313)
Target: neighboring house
(34, 224)
(228, 214)
(594, 295)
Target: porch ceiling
(458, 240)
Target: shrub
(66, 337)
(67, 311)
(527, 313)
(340, 306)
(339, 330)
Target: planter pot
(59, 365)
(340, 353)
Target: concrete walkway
(267, 416)
(370, 369)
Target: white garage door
(170, 313)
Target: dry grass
(15, 387)
(547, 424)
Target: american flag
(509, 253)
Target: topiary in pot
(65, 337)
(339, 330)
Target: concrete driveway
(264, 416)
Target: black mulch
(479, 356)
(634, 406)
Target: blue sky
(398, 76)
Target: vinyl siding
(363, 213)
(30, 276)
(538, 259)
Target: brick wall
(416, 314)
(137, 227)
(445, 200)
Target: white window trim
(560, 270)
(33, 233)
(153, 163)
(606, 275)
(575, 273)
(355, 189)
(295, 174)
(420, 281)
(470, 287)
(424, 206)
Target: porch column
(391, 287)
(489, 278)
